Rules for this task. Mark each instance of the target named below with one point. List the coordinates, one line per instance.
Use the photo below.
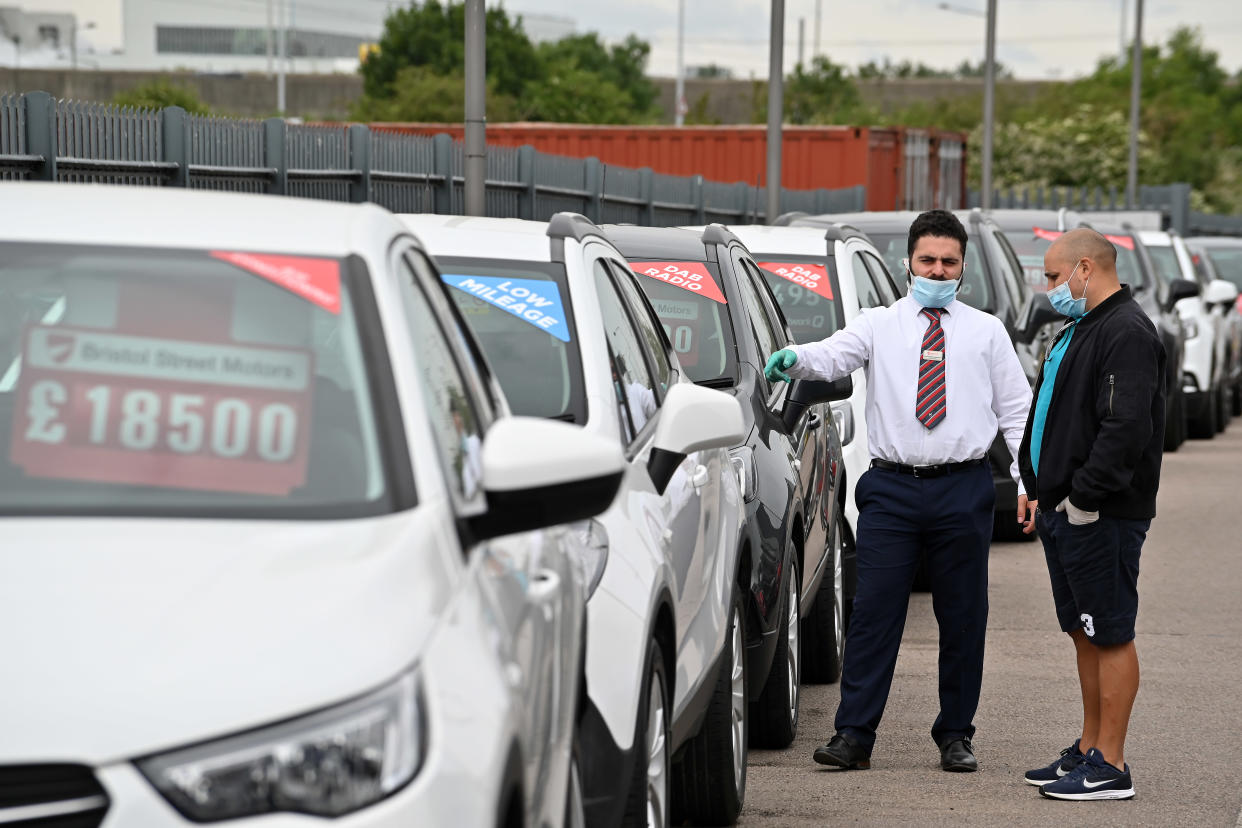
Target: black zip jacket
(1104, 431)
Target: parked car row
(327, 511)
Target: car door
(527, 580)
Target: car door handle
(544, 585)
(699, 478)
(815, 422)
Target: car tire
(709, 780)
(648, 802)
(1236, 401)
(1175, 423)
(1203, 425)
(1223, 407)
(823, 631)
(774, 714)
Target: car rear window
(1228, 263)
(520, 313)
(975, 290)
(691, 305)
(210, 383)
(1032, 246)
(807, 293)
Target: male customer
(941, 378)
(1091, 456)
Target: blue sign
(535, 301)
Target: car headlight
(327, 764)
(593, 548)
(843, 414)
(743, 460)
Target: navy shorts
(1094, 571)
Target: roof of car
(1023, 219)
(1215, 241)
(1155, 238)
(879, 221)
(479, 237)
(177, 218)
(763, 239)
(672, 243)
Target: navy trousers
(947, 521)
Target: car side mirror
(1180, 289)
(1039, 312)
(538, 473)
(1220, 292)
(806, 393)
(692, 418)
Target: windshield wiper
(568, 418)
(718, 382)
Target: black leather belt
(938, 470)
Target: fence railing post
(41, 132)
(646, 191)
(173, 142)
(593, 183)
(275, 137)
(360, 159)
(696, 198)
(526, 175)
(442, 164)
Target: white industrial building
(225, 36)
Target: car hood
(128, 636)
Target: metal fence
(1171, 200)
(45, 139)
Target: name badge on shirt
(933, 356)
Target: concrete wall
(331, 96)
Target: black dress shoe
(958, 756)
(843, 752)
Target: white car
(259, 503)
(1205, 362)
(822, 280)
(561, 319)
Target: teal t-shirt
(1052, 364)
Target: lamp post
(476, 109)
(989, 96)
(1136, 88)
(679, 88)
(776, 108)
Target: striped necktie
(930, 404)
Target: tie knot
(933, 313)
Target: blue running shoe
(1093, 778)
(1069, 759)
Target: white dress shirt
(986, 387)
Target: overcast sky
(1036, 38)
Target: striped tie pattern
(930, 404)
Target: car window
(688, 300)
(630, 375)
(453, 414)
(771, 311)
(649, 326)
(521, 315)
(195, 382)
(1228, 263)
(974, 291)
(864, 283)
(882, 278)
(1164, 261)
(1011, 271)
(807, 294)
(767, 339)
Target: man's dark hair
(940, 223)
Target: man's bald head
(1085, 243)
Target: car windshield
(169, 382)
(807, 293)
(519, 311)
(691, 306)
(1228, 263)
(975, 290)
(1164, 260)
(1032, 246)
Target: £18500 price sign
(192, 415)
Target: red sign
(316, 280)
(108, 407)
(691, 276)
(813, 277)
(1052, 235)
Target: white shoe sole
(1128, 793)
(1037, 783)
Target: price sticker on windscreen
(536, 302)
(109, 407)
(681, 323)
(813, 277)
(691, 276)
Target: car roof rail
(718, 234)
(786, 219)
(573, 226)
(841, 232)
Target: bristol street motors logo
(59, 347)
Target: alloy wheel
(657, 756)
(738, 687)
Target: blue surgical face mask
(1063, 301)
(934, 293)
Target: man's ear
(1086, 267)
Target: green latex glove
(778, 364)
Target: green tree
(422, 95)
(160, 93)
(623, 65)
(823, 94)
